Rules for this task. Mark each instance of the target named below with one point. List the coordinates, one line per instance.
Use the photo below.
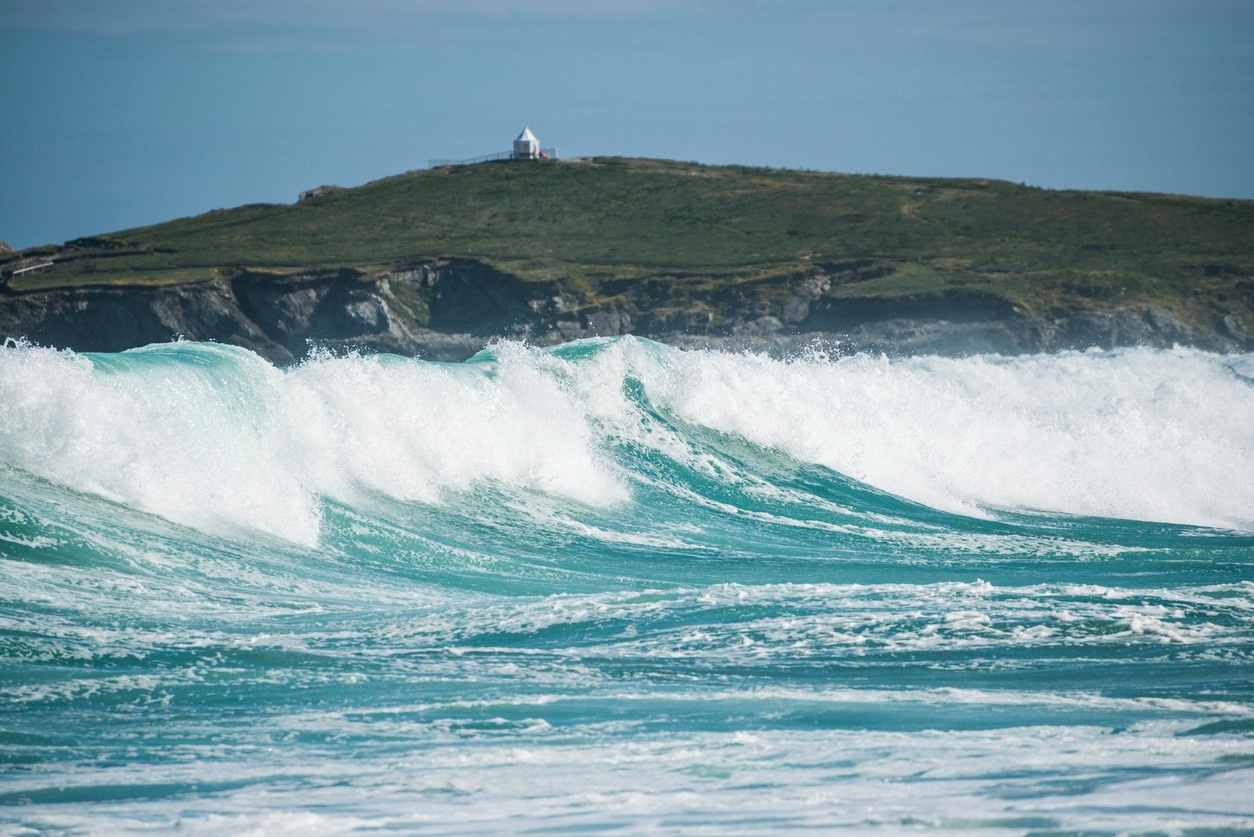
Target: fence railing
(486, 158)
(545, 154)
(41, 267)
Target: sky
(119, 113)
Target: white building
(526, 147)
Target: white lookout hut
(526, 147)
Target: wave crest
(215, 438)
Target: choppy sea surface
(616, 587)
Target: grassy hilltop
(640, 232)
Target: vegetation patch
(611, 229)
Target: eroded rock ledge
(449, 309)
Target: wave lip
(1139, 434)
(214, 438)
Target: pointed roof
(526, 136)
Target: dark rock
(318, 192)
(1236, 328)
(477, 299)
(608, 323)
(448, 309)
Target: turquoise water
(613, 586)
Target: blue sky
(126, 112)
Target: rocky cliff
(438, 262)
(449, 309)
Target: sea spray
(615, 585)
(192, 433)
(1137, 434)
(215, 438)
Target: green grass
(113, 278)
(615, 226)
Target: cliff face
(448, 310)
(720, 256)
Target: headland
(435, 263)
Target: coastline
(447, 310)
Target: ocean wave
(214, 438)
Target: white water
(1140, 434)
(215, 438)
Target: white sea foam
(194, 440)
(1137, 434)
(817, 781)
(215, 438)
(413, 430)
